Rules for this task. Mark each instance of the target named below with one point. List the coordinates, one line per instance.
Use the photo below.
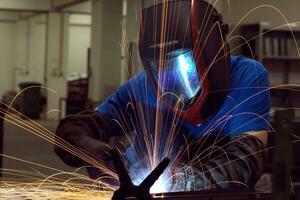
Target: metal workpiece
(218, 194)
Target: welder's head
(183, 50)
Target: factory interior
(62, 57)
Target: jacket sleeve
(237, 164)
(86, 131)
(251, 95)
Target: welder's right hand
(88, 132)
(237, 164)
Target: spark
(52, 110)
(28, 88)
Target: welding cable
(238, 165)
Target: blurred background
(80, 51)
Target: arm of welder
(94, 132)
(86, 132)
(241, 161)
(238, 164)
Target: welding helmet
(183, 50)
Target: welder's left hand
(87, 132)
(239, 164)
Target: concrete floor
(24, 145)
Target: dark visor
(177, 76)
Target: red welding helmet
(182, 48)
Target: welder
(215, 105)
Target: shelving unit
(277, 48)
(273, 45)
(77, 97)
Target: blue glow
(179, 76)
(161, 185)
(187, 68)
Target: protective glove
(87, 131)
(239, 164)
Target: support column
(55, 64)
(105, 74)
(130, 31)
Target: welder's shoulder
(129, 91)
(137, 81)
(246, 69)
(139, 77)
(244, 63)
(133, 87)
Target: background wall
(67, 53)
(78, 43)
(30, 48)
(234, 11)
(106, 48)
(8, 33)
